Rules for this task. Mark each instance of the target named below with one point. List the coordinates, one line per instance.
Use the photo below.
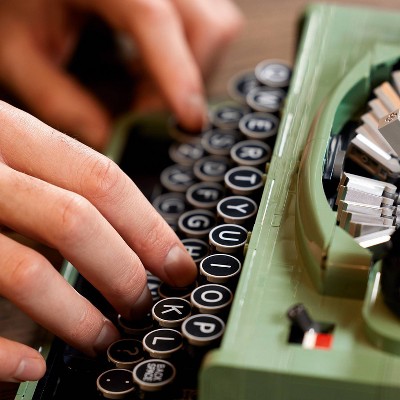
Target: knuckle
(130, 283)
(22, 270)
(153, 237)
(86, 328)
(103, 178)
(224, 30)
(74, 211)
(229, 30)
(152, 10)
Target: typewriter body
(297, 258)
(297, 253)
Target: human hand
(178, 41)
(60, 192)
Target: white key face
(203, 329)
(219, 268)
(162, 342)
(170, 312)
(153, 374)
(273, 73)
(237, 209)
(259, 126)
(211, 168)
(205, 194)
(196, 223)
(265, 99)
(244, 179)
(211, 298)
(228, 237)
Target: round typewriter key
(241, 84)
(205, 194)
(219, 268)
(211, 168)
(136, 328)
(171, 312)
(125, 353)
(197, 248)
(165, 291)
(266, 99)
(196, 223)
(186, 153)
(203, 329)
(211, 298)
(274, 73)
(244, 180)
(154, 374)
(219, 142)
(226, 115)
(170, 205)
(162, 343)
(251, 153)
(116, 383)
(228, 238)
(259, 126)
(177, 178)
(237, 209)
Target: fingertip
(30, 369)
(108, 334)
(192, 112)
(179, 267)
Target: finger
(64, 162)
(159, 35)
(210, 26)
(50, 93)
(19, 363)
(31, 283)
(74, 226)
(147, 97)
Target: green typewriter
(288, 204)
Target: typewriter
(296, 295)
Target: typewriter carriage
(337, 264)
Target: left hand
(178, 41)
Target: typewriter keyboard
(209, 195)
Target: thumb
(19, 363)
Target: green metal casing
(297, 253)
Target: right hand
(64, 194)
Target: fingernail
(180, 267)
(30, 369)
(108, 335)
(142, 305)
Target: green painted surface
(297, 253)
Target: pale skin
(178, 42)
(58, 191)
